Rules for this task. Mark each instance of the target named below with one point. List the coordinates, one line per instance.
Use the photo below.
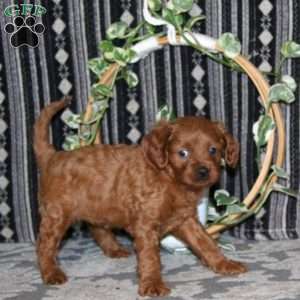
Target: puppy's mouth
(198, 177)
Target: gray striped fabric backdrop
(190, 83)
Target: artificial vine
(175, 13)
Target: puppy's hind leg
(52, 230)
(108, 242)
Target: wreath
(268, 130)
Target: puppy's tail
(42, 148)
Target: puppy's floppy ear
(232, 147)
(155, 143)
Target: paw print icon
(24, 31)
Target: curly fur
(149, 190)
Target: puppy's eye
(183, 153)
(212, 150)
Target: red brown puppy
(149, 190)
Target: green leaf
(86, 134)
(134, 32)
(116, 54)
(280, 188)
(73, 121)
(212, 214)
(223, 198)
(165, 113)
(222, 193)
(181, 6)
(262, 130)
(131, 78)
(154, 5)
(230, 44)
(117, 30)
(290, 49)
(236, 209)
(192, 21)
(281, 92)
(178, 21)
(279, 172)
(106, 46)
(131, 54)
(289, 81)
(123, 56)
(98, 66)
(100, 91)
(150, 29)
(169, 16)
(100, 106)
(120, 56)
(109, 56)
(72, 142)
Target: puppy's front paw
(153, 288)
(229, 267)
(54, 277)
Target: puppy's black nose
(203, 173)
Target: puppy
(149, 190)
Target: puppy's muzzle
(202, 173)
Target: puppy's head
(191, 149)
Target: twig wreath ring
(113, 63)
